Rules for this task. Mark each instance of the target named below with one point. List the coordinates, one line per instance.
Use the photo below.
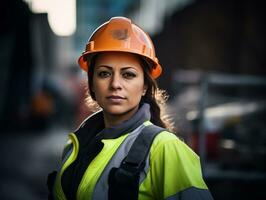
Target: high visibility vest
(172, 170)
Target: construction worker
(125, 150)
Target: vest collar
(142, 115)
(94, 125)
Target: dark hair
(154, 96)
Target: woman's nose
(115, 82)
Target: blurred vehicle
(222, 117)
(235, 134)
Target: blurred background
(214, 67)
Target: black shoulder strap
(124, 181)
(141, 147)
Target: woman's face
(118, 83)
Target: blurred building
(213, 36)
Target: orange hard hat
(120, 34)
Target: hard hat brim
(85, 57)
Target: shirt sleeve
(176, 170)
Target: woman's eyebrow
(105, 66)
(125, 68)
(111, 68)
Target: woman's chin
(117, 110)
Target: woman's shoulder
(167, 142)
(165, 137)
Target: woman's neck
(111, 120)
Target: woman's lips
(115, 98)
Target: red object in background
(212, 144)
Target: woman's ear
(144, 90)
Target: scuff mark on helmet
(120, 34)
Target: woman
(105, 158)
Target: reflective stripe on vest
(101, 188)
(192, 193)
(70, 157)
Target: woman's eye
(129, 75)
(104, 74)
